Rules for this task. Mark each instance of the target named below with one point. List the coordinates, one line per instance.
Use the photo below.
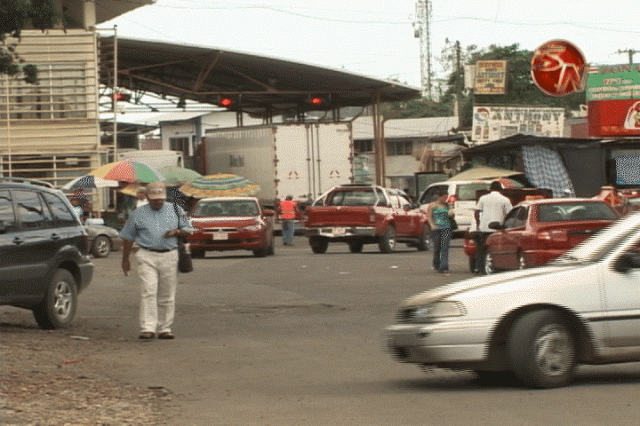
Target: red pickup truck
(365, 214)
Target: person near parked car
(77, 208)
(491, 207)
(439, 217)
(288, 209)
(155, 227)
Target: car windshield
(226, 208)
(604, 242)
(575, 211)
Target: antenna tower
(421, 31)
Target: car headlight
(433, 312)
(257, 225)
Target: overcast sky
(376, 37)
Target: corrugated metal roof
(261, 85)
(406, 127)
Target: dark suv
(44, 261)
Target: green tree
(16, 15)
(415, 108)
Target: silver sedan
(537, 324)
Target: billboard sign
(491, 123)
(613, 100)
(558, 68)
(490, 78)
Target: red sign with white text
(558, 68)
(618, 117)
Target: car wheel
(489, 267)
(261, 252)
(60, 302)
(101, 246)
(318, 245)
(541, 350)
(387, 242)
(424, 241)
(356, 246)
(522, 263)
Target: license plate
(217, 236)
(339, 231)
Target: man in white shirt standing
(491, 207)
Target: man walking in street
(491, 207)
(155, 227)
(288, 209)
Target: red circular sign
(558, 68)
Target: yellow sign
(491, 78)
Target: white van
(465, 196)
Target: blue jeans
(288, 229)
(441, 239)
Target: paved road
(295, 339)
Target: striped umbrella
(89, 181)
(175, 174)
(128, 171)
(220, 185)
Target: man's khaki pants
(158, 281)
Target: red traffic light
(119, 96)
(316, 101)
(225, 102)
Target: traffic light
(316, 101)
(121, 97)
(225, 102)
(319, 101)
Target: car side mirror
(627, 261)
(495, 225)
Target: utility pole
(421, 30)
(629, 52)
(459, 80)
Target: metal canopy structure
(259, 85)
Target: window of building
(179, 144)
(363, 145)
(62, 92)
(400, 148)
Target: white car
(539, 323)
(465, 194)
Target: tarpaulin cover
(544, 169)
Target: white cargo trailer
(303, 160)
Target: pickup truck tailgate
(319, 216)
